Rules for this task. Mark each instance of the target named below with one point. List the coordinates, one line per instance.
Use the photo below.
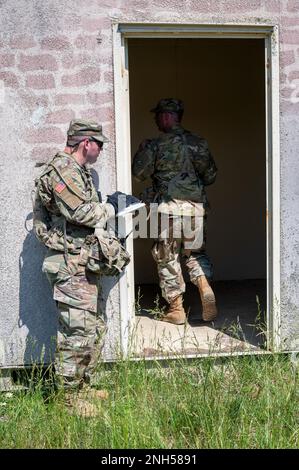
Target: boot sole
(209, 309)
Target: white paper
(131, 208)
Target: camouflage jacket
(66, 206)
(179, 164)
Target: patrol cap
(80, 129)
(169, 105)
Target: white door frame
(121, 33)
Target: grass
(240, 402)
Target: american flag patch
(60, 187)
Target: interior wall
(221, 82)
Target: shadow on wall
(37, 308)
(37, 311)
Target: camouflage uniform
(67, 209)
(180, 166)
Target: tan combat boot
(92, 393)
(209, 309)
(77, 406)
(85, 402)
(175, 313)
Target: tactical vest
(49, 226)
(175, 176)
(100, 253)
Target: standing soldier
(180, 166)
(67, 210)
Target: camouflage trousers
(81, 329)
(170, 252)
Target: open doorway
(222, 84)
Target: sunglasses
(99, 144)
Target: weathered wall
(289, 145)
(56, 64)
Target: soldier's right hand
(121, 200)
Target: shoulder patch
(67, 196)
(62, 161)
(70, 199)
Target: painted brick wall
(56, 64)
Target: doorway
(222, 84)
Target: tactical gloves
(121, 200)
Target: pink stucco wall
(66, 69)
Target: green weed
(237, 402)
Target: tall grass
(240, 402)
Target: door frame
(121, 33)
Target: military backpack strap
(41, 216)
(66, 255)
